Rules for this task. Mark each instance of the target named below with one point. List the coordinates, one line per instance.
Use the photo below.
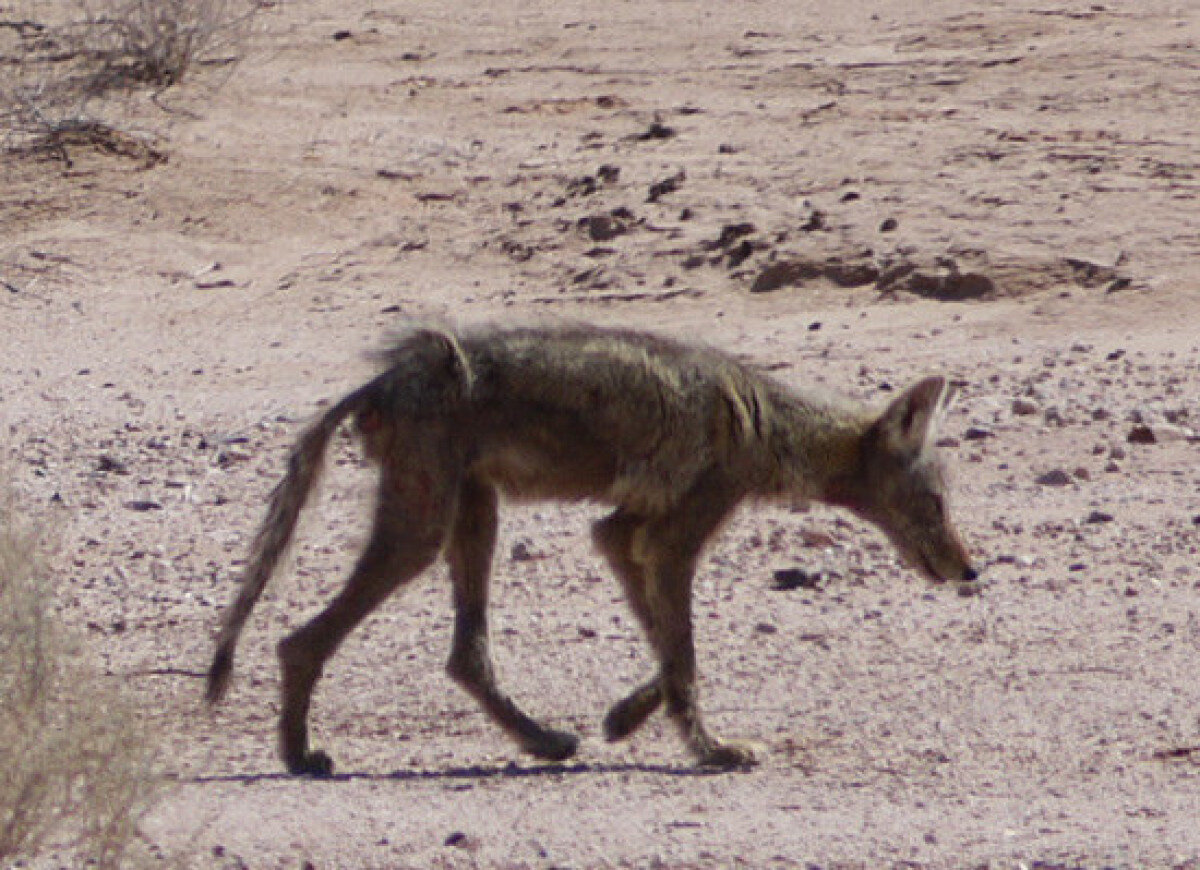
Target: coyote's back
(628, 418)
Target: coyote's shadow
(471, 773)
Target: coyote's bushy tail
(273, 538)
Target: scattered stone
(670, 184)
(226, 458)
(766, 628)
(854, 271)
(584, 185)
(739, 254)
(815, 221)
(1141, 434)
(978, 433)
(656, 131)
(1025, 407)
(1175, 752)
(1089, 273)
(1099, 517)
(730, 233)
(787, 579)
(1056, 477)
(608, 174)
(955, 287)
(889, 225)
(816, 538)
(604, 227)
(107, 464)
(784, 273)
(143, 505)
(1054, 417)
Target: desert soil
(852, 195)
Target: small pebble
(1141, 434)
(1057, 477)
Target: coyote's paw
(552, 745)
(314, 763)
(732, 755)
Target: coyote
(670, 435)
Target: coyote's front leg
(614, 537)
(469, 553)
(671, 599)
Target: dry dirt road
(852, 194)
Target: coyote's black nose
(970, 575)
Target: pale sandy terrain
(168, 327)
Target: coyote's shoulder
(672, 435)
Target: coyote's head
(899, 486)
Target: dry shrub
(156, 42)
(75, 770)
(65, 65)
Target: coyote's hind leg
(401, 546)
(472, 539)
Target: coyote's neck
(815, 442)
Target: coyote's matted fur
(673, 436)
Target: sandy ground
(853, 194)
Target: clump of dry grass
(156, 42)
(75, 770)
(75, 60)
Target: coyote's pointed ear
(908, 422)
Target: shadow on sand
(512, 770)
